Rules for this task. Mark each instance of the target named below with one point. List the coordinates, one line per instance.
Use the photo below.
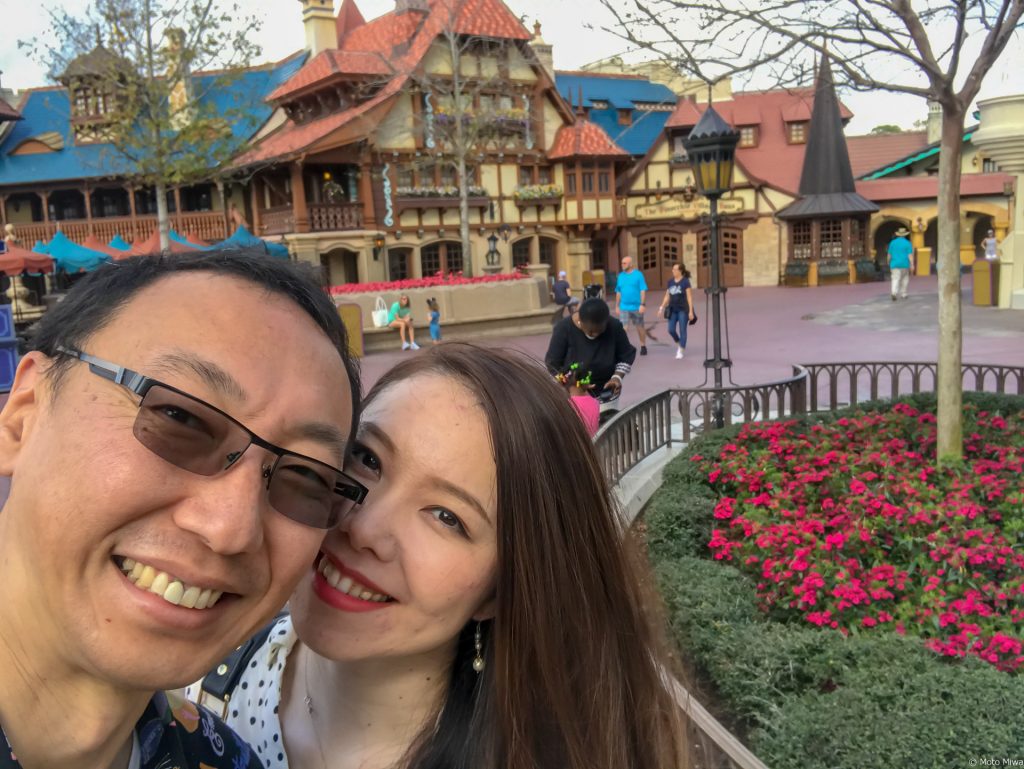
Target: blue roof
(49, 110)
(621, 93)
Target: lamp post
(711, 148)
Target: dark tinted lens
(304, 491)
(187, 433)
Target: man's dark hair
(95, 300)
(594, 310)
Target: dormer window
(748, 136)
(797, 132)
(625, 117)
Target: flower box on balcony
(538, 195)
(437, 197)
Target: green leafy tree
(886, 128)
(146, 72)
(938, 50)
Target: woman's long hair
(573, 676)
(682, 269)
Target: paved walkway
(772, 328)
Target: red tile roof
(869, 153)
(326, 65)
(774, 161)
(584, 139)
(349, 19)
(396, 41)
(927, 187)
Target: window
(603, 181)
(730, 247)
(587, 179)
(800, 237)
(679, 148)
(648, 252)
(404, 176)
(81, 102)
(989, 166)
(544, 175)
(797, 133)
(525, 175)
(443, 258)
(398, 263)
(748, 136)
(857, 230)
(448, 176)
(548, 249)
(430, 260)
(521, 252)
(570, 182)
(831, 239)
(625, 117)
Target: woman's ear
(487, 610)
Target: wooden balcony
(205, 225)
(425, 202)
(323, 217)
(327, 217)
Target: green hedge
(808, 697)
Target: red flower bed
(851, 526)
(452, 279)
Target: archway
(340, 265)
(982, 224)
(548, 251)
(883, 235)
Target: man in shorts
(172, 443)
(630, 296)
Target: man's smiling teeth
(348, 585)
(169, 588)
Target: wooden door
(732, 258)
(657, 253)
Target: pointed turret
(826, 182)
(349, 18)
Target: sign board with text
(674, 208)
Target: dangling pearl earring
(478, 660)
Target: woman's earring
(478, 660)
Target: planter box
(550, 200)
(408, 202)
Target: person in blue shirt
(630, 296)
(435, 320)
(900, 253)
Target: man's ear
(21, 408)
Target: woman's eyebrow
(461, 493)
(372, 429)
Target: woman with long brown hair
(480, 610)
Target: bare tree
(467, 109)
(938, 50)
(133, 63)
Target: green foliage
(812, 697)
(139, 58)
(887, 128)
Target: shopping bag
(380, 313)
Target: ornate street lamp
(493, 257)
(711, 149)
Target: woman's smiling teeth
(345, 584)
(170, 588)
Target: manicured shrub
(848, 697)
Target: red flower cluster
(852, 526)
(451, 279)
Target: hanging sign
(674, 208)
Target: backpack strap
(218, 685)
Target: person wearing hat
(900, 253)
(561, 292)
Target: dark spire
(826, 161)
(827, 188)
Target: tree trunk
(162, 217)
(949, 384)
(467, 255)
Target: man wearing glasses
(173, 445)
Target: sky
(573, 27)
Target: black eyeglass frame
(140, 384)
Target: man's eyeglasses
(195, 436)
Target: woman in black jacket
(595, 343)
